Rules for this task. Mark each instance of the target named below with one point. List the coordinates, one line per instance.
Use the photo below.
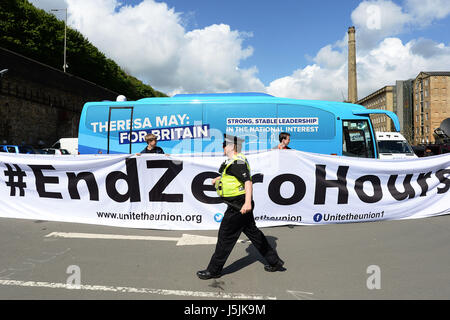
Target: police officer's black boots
(277, 267)
(205, 275)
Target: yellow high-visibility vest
(228, 185)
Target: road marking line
(301, 295)
(184, 240)
(106, 236)
(164, 292)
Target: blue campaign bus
(195, 123)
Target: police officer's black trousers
(231, 227)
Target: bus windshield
(357, 139)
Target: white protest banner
(175, 192)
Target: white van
(393, 145)
(70, 144)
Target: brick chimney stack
(352, 80)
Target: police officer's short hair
(283, 135)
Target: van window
(11, 149)
(394, 146)
(357, 139)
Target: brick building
(431, 104)
(40, 104)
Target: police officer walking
(236, 188)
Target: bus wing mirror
(390, 114)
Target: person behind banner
(285, 139)
(428, 152)
(151, 145)
(235, 188)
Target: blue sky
(288, 48)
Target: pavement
(405, 259)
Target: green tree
(39, 35)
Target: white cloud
(312, 82)
(330, 58)
(429, 49)
(376, 20)
(426, 11)
(144, 40)
(209, 61)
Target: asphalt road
(408, 259)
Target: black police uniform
(233, 223)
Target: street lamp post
(65, 36)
